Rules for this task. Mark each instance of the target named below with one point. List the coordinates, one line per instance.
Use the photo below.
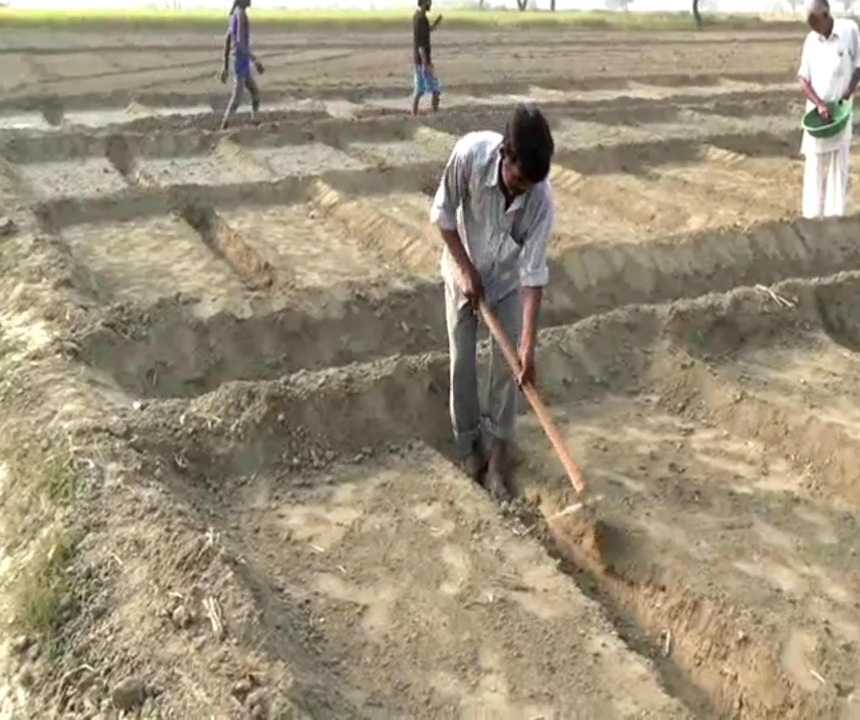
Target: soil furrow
(120, 99)
(318, 330)
(627, 362)
(163, 134)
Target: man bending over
(494, 210)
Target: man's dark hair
(528, 142)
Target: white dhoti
(825, 183)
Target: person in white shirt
(494, 210)
(829, 71)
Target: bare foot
(496, 486)
(476, 464)
(497, 480)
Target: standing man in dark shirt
(423, 76)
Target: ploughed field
(240, 337)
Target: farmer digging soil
(423, 75)
(829, 72)
(494, 210)
(239, 39)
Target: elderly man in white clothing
(829, 71)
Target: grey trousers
(240, 82)
(502, 391)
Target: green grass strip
(370, 19)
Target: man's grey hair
(816, 7)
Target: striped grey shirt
(507, 248)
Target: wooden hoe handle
(531, 393)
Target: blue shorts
(242, 65)
(424, 82)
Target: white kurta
(828, 64)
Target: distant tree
(521, 4)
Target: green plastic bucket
(816, 126)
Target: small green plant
(41, 594)
(38, 483)
(325, 18)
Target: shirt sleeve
(805, 71)
(855, 45)
(533, 265)
(452, 188)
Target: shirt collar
(491, 177)
(491, 171)
(834, 33)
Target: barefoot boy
(424, 77)
(239, 37)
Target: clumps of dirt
(608, 545)
(304, 422)
(204, 124)
(167, 350)
(52, 110)
(716, 327)
(836, 306)
(706, 649)
(257, 272)
(588, 539)
(722, 325)
(7, 227)
(580, 535)
(129, 320)
(121, 155)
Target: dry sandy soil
(226, 482)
